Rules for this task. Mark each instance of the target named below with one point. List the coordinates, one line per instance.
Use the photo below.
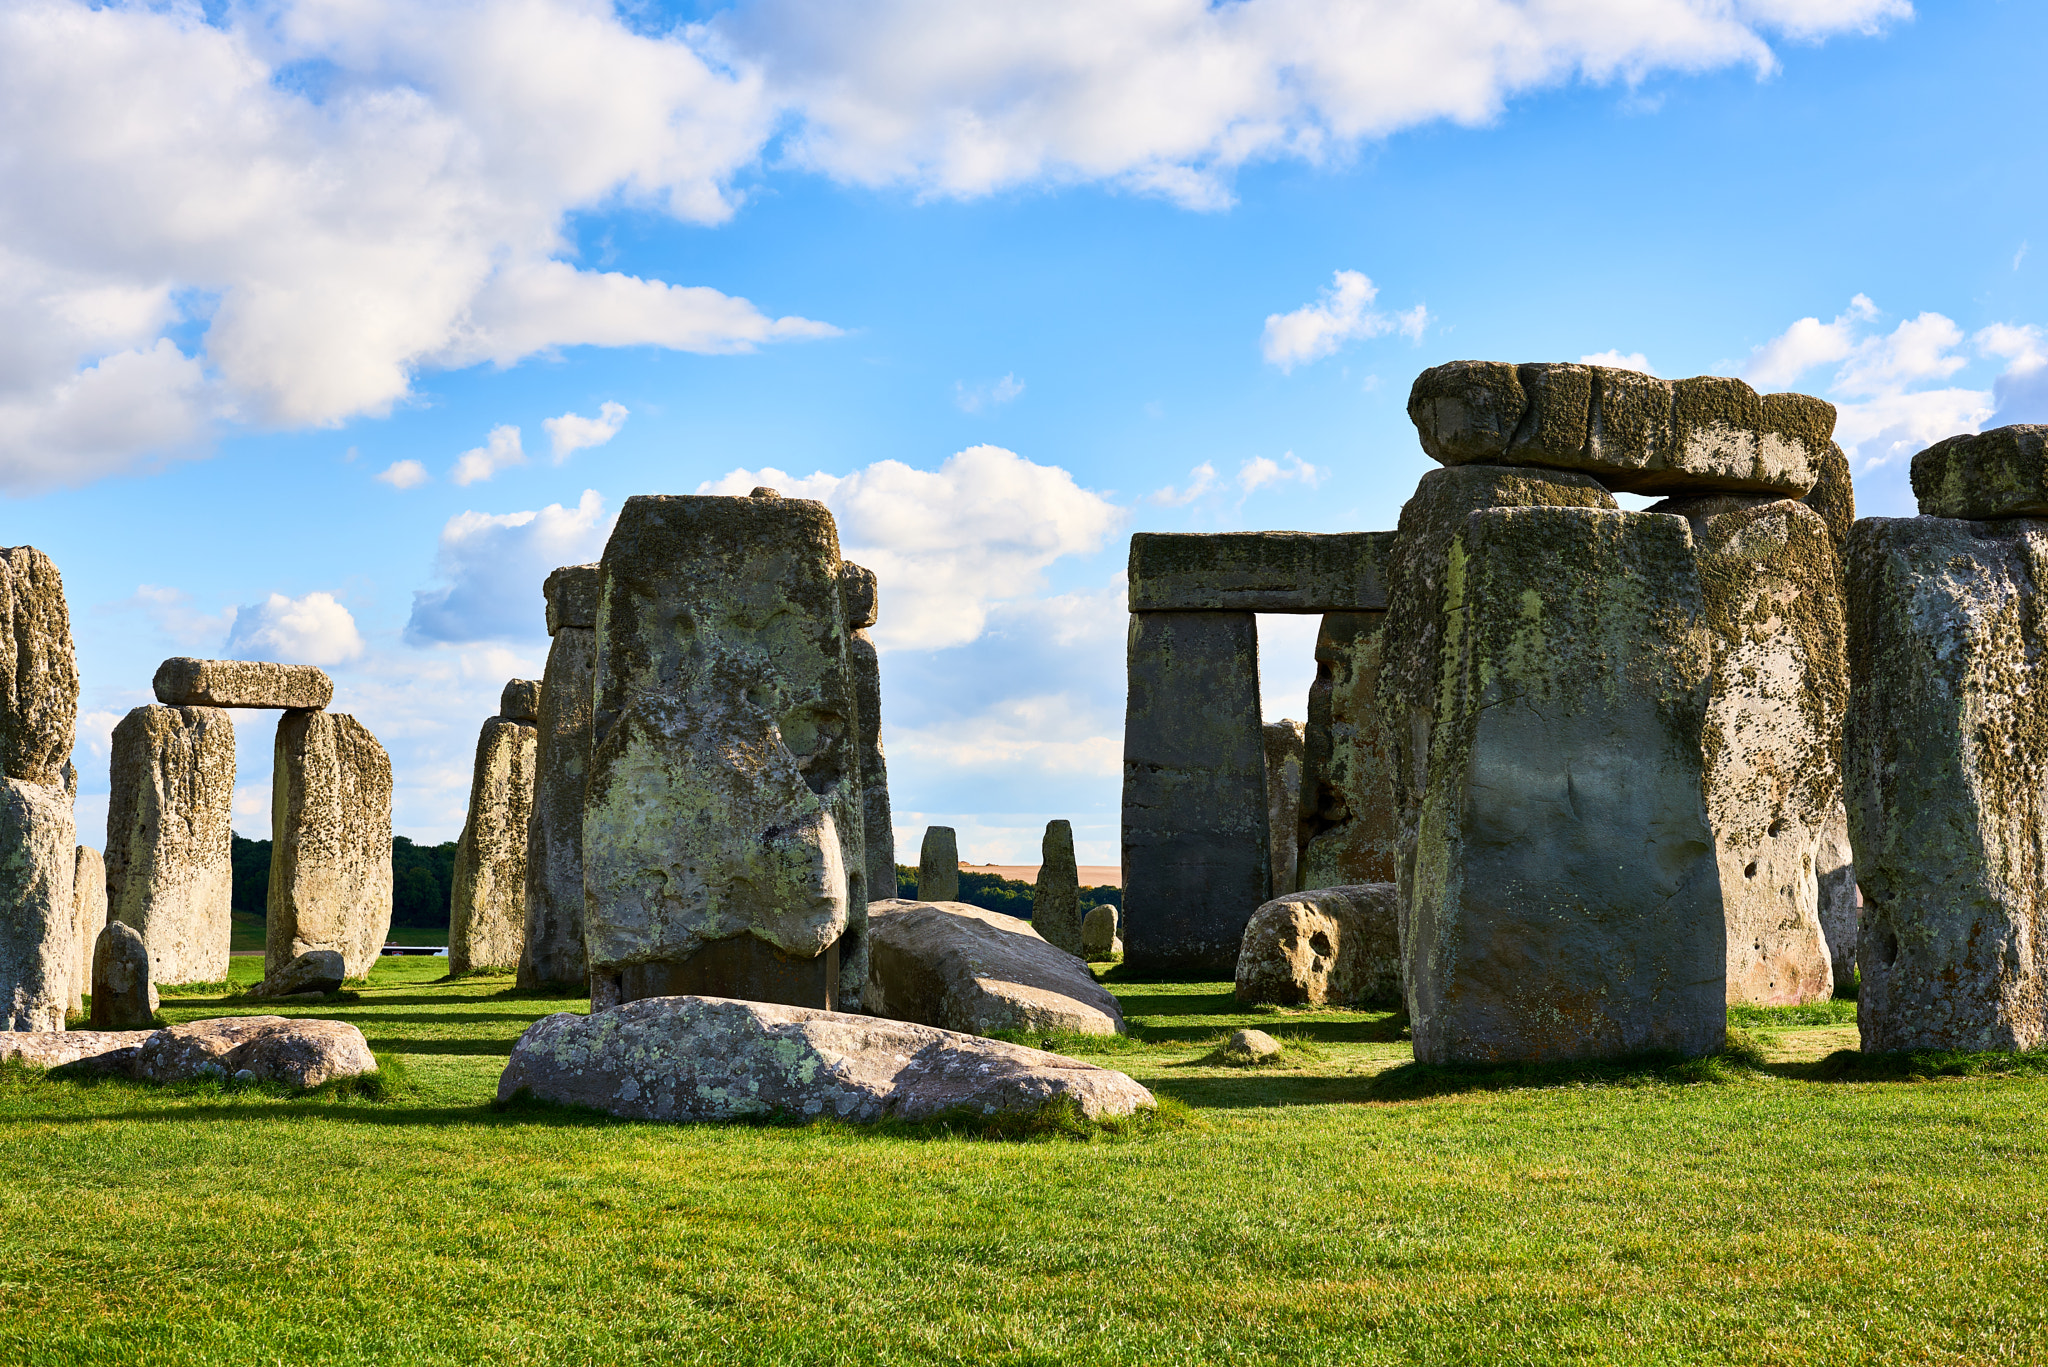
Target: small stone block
(857, 588)
(1259, 571)
(2000, 473)
(520, 701)
(571, 594)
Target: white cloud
(1260, 471)
(1343, 314)
(571, 433)
(1201, 480)
(493, 565)
(500, 450)
(1634, 360)
(405, 474)
(972, 399)
(946, 544)
(2021, 393)
(1806, 344)
(311, 630)
(172, 613)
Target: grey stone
(1251, 1046)
(89, 903)
(1945, 762)
(1841, 904)
(1197, 854)
(297, 1053)
(170, 835)
(938, 866)
(185, 682)
(38, 669)
(1347, 829)
(314, 973)
(38, 840)
(520, 701)
(1834, 497)
(487, 905)
(1258, 571)
(1565, 901)
(572, 595)
(1056, 897)
(2000, 473)
(552, 951)
(861, 593)
(1773, 611)
(1323, 947)
(123, 997)
(330, 865)
(959, 967)
(1099, 940)
(858, 590)
(1467, 411)
(722, 835)
(709, 1058)
(98, 1051)
(1283, 800)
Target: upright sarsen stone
(1347, 827)
(861, 594)
(938, 866)
(37, 956)
(123, 997)
(330, 865)
(1566, 901)
(170, 836)
(552, 951)
(38, 670)
(1056, 897)
(487, 906)
(1283, 800)
(1841, 904)
(89, 899)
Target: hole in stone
(1750, 872)
(1319, 943)
(1888, 948)
(1778, 826)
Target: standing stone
(1056, 898)
(1197, 854)
(1283, 800)
(1841, 904)
(330, 868)
(123, 997)
(722, 839)
(1347, 828)
(1945, 756)
(38, 671)
(89, 901)
(858, 588)
(1775, 620)
(938, 866)
(182, 681)
(170, 837)
(487, 907)
(1566, 902)
(38, 838)
(1834, 497)
(553, 948)
(1099, 940)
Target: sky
(328, 327)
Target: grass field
(1287, 1217)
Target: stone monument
(38, 835)
(169, 856)
(487, 906)
(553, 948)
(938, 866)
(1056, 897)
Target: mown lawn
(1286, 1218)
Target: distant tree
(251, 862)
(422, 880)
(1007, 895)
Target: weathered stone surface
(317, 970)
(38, 670)
(1056, 897)
(1834, 497)
(123, 997)
(724, 800)
(1250, 1046)
(552, 951)
(1841, 905)
(298, 1053)
(38, 840)
(520, 701)
(1323, 947)
(572, 596)
(1565, 900)
(330, 868)
(709, 1058)
(1258, 571)
(1197, 854)
(1776, 622)
(109, 1051)
(1283, 800)
(487, 906)
(89, 904)
(1347, 829)
(169, 859)
(2000, 473)
(1945, 757)
(960, 967)
(1099, 940)
(859, 592)
(185, 682)
(938, 866)
(1632, 431)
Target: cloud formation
(404, 474)
(571, 433)
(500, 450)
(1343, 314)
(1634, 360)
(974, 398)
(492, 566)
(311, 630)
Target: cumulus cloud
(1634, 360)
(500, 450)
(571, 433)
(311, 630)
(405, 474)
(974, 398)
(1201, 480)
(171, 612)
(492, 566)
(949, 543)
(1344, 313)
(1260, 471)
(2021, 393)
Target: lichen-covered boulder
(487, 905)
(330, 868)
(1056, 896)
(552, 949)
(298, 1053)
(938, 866)
(1099, 940)
(1323, 947)
(38, 668)
(317, 970)
(185, 682)
(710, 1058)
(1346, 826)
(123, 997)
(38, 842)
(170, 836)
(98, 1051)
(2000, 473)
(959, 967)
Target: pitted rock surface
(38, 915)
(298, 1053)
(1347, 827)
(552, 950)
(317, 970)
(711, 1058)
(1056, 897)
(487, 906)
(1323, 947)
(959, 967)
(170, 856)
(38, 669)
(330, 868)
(182, 681)
(2000, 473)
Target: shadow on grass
(1058, 1119)
(1915, 1065)
(1388, 1028)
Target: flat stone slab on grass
(182, 681)
(712, 1058)
(2000, 473)
(960, 967)
(299, 1053)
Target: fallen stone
(1347, 829)
(520, 701)
(938, 866)
(185, 682)
(1258, 571)
(858, 589)
(297, 1053)
(1841, 905)
(89, 903)
(710, 1058)
(38, 669)
(123, 997)
(1945, 759)
(38, 843)
(552, 951)
(170, 835)
(1099, 940)
(314, 973)
(2000, 473)
(1056, 897)
(1323, 947)
(572, 593)
(1566, 901)
(487, 906)
(100, 1051)
(958, 967)
(1283, 801)
(330, 868)
(1250, 1046)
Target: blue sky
(1002, 283)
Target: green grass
(1785, 1204)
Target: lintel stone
(1259, 571)
(182, 681)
